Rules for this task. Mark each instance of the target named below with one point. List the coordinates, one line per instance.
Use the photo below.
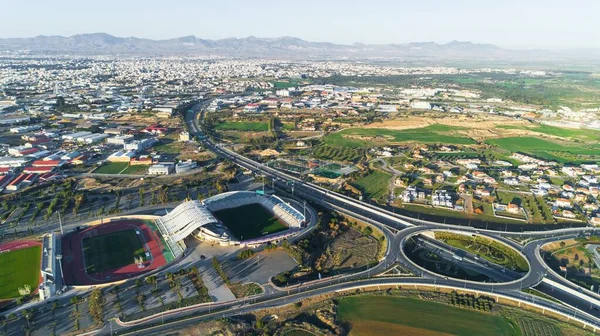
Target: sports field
(383, 315)
(111, 250)
(111, 168)
(250, 221)
(18, 268)
(364, 137)
(243, 126)
(136, 170)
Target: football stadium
(121, 248)
(233, 218)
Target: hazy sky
(508, 23)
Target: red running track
(74, 261)
(17, 245)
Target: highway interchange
(576, 300)
(572, 301)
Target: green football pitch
(250, 221)
(111, 250)
(19, 268)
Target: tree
(79, 200)
(95, 304)
(562, 244)
(152, 280)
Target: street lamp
(62, 275)
(60, 223)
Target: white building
(120, 139)
(186, 166)
(138, 145)
(164, 168)
(417, 104)
(25, 129)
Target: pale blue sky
(522, 24)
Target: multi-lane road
(384, 218)
(577, 303)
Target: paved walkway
(217, 289)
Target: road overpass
(572, 304)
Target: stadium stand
(189, 217)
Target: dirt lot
(351, 249)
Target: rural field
(339, 153)
(374, 185)
(547, 150)
(572, 133)
(365, 137)
(250, 221)
(18, 268)
(385, 315)
(111, 250)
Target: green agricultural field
(374, 185)
(111, 168)
(547, 150)
(136, 170)
(365, 137)
(244, 126)
(386, 315)
(250, 221)
(573, 133)
(19, 268)
(111, 250)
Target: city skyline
(526, 25)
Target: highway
(575, 302)
(382, 217)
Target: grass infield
(111, 250)
(250, 221)
(111, 168)
(246, 126)
(381, 315)
(19, 268)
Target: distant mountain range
(281, 47)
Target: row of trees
(245, 254)
(217, 266)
